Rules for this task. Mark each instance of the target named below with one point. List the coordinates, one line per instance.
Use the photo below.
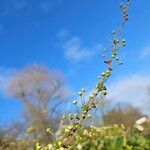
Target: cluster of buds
(124, 8)
(114, 58)
(107, 73)
(39, 147)
(76, 120)
(68, 129)
(104, 90)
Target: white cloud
(145, 52)
(5, 74)
(74, 51)
(134, 90)
(13, 6)
(20, 4)
(47, 5)
(63, 34)
(10, 7)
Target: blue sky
(46, 31)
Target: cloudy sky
(69, 35)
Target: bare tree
(41, 92)
(122, 115)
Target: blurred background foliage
(44, 95)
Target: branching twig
(100, 90)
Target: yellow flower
(31, 130)
(79, 147)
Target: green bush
(112, 137)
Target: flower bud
(104, 50)
(83, 90)
(83, 115)
(121, 5)
(123, 42)
(59, 143)
(116, 41)
(76, 116)
(99, 77)
(70, 116)
(91, 96)
(95, 93)
(67, 130)
(113, 56)
(48, 130)
(77, 125)
(74, 102)
(85, 111)
(104, 92)
(103, 74)
(64, 117)
(117, 58)
(97, 86)
(121, 63)
(113, 32)
(89, 116)
(80, 93)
